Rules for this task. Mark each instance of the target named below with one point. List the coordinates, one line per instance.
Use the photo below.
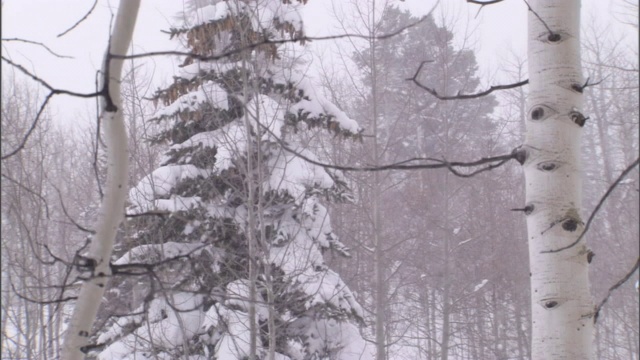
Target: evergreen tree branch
(598, 207)
(459, 96)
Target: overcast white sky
(497, 30)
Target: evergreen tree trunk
(112, 208)
(562, 309)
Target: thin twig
(40, 44)
(597, 208)
(614, 288)
(551, 33)
(46, 205)
(69, 269)
(33, 126)
(95, 2)
(64, 210)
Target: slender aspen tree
(112, 207)
(562, 308)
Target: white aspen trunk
(562, 308)
(112, 207)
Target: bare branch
(19, 184)
(95, 2)
(434, 163)
(64, 210)
(461, 96)
(69, 268)
(580, 88)
(598, 207)
(552, 35)
(23, 142)
(41, 302)
(54, 257)
(614, 288)
(39, 44)
(105, 91)
(483, 3)
(615, 67)
(267, 42)
(53, 90)
(109, 56)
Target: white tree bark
(562, 308)
(112, 207)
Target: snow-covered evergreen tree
(230, 266)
